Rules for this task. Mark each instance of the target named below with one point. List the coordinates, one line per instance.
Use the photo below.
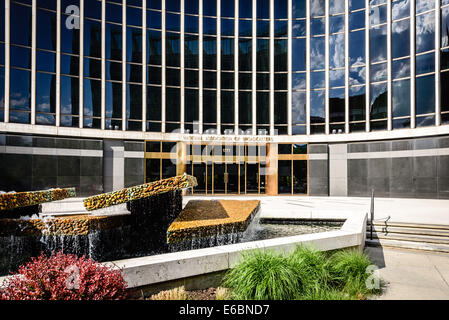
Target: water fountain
(139, 231)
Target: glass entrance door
(199, 172)
(219, 178)
(252, 178)
(232, 180)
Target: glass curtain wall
(191, 65)
(114, 68)
(317, 66)
(299, 74)
(378, 65)
(154, 66)
(337, 71)
(46, 70)
(425, 63)
(400, 53)
(92, 100)
(173, 65)
(357, 67)
(444, 63)
(2, 61)
(20, 62)
(263, 66)
(280, 66)
(245, 48)
(58, 95)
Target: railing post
(372, 213)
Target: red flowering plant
(64, 277)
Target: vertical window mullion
(367, 67)
(58, 63)
(412, 65)
(389, 57)
(437, 63)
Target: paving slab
(411, 274)
(425, 211)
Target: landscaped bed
(304, 274)
(204, 218)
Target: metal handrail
(372, 217)
(372, 213)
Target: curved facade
(318, 97)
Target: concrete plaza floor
(410, 274)
(400, 210)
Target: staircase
(409, 235)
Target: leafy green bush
(263, 275)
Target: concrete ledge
(147, 271)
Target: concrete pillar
(338, 170)
(181, 164)
(113, 165)
(271, 171)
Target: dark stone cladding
(134, 167)
(400, 177)
(400, 145)
(318, 171)
(28, 171)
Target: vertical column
(81, 68)
(164, 59)
(326, 66)
(58, 64)
(389, 64)
(182, 78)
(367, 67)
(271, 67)
(254, 68)
(144, 65)
(289, 69)
(437, 63)
(308, 21)
(33, 60)
(271, 169)
(219, 66)
(412, 64)
(200, 62)
(124, 66)
(103, 66)
(7, 58)
(347, 66)
(236, 67)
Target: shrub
(348, 269)
(223, 294)
(310, 267)
(305, 274)
(262, 275)
(173, 294)
(64, 277)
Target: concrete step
(70, 205)
(407, 245)
(410, 237)
(382, 229)
(411, 225)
